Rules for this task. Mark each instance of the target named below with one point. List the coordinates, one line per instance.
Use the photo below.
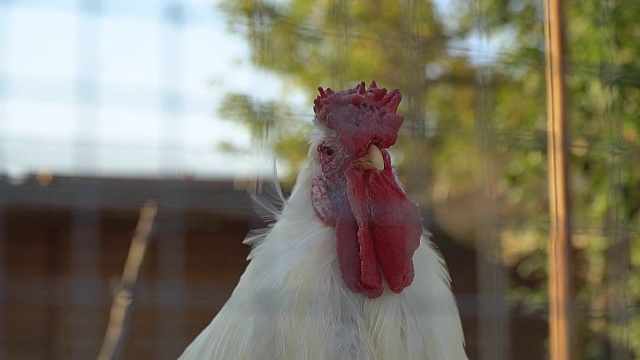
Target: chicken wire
(75, 303)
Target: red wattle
(356, 252)
(396, 227)
(378, 229)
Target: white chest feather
(291, 303)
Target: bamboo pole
(123, 295)
(561, 332)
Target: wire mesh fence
(92, 128)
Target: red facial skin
(377, 228)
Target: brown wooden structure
(64, 243)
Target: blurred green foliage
(469, 112)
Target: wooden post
(561, 333)
(114, 339)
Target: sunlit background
(126, 89)
(107, 104)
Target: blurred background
(107, 104)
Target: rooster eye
(326, 149)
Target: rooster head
(357, 192)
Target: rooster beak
(373, 159)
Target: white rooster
(346, 271)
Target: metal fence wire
(473, 152)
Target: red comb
(360, 116)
